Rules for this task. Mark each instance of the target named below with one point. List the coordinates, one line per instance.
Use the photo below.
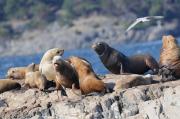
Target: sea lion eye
(13, 71)
(99, 44)
(58, 52)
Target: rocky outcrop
(155, 101)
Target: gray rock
(155, 101)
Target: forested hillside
(16, 16)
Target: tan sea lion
(7, 84)
(32, 67)
(88, 80)
(34, 79)
(19, 72)
(117, 63)
(16, 73)
(46, 65)
(129, 81)
(170, 55)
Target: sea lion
(16, 73)
(129, 81)
(46, 66)
(170, 57)
(66, 75)
(88, 80)
(7, 84)
(32, 67)
(19, 72)
(117, 63)
(34, 79)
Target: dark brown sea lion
(88, 80)
(170, 57)
(66, 75)
(117, 63)
(7, 84)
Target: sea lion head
(49, 55)
(169, 42)
(100, 47)
(16, 73)
(58, 62)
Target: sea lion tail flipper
(152, 64)
(76, 91)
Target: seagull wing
(154, 17)
(143, 19)
(133, 24)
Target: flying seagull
(143, 19)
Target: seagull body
(143, 19)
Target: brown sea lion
(117, 63)
(66, 75)
(7, 84)
(46, 66)
(88, 80)
(170, 56)
(34, 79)
(19, 72)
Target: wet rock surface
(155, 101)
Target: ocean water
(152, 48)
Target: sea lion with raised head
(117, 63)
(66, 75)
(89, 82)
(46, 66)
(7, 84)
(169, 61)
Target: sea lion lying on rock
(34, 79)
(169, 61)
(117, 63)
(46, 66)
(88, 80)
(7, 84)
(19, 72)
(16, 73)
(129, 81)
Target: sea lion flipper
(76, 91)
(152, 64)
